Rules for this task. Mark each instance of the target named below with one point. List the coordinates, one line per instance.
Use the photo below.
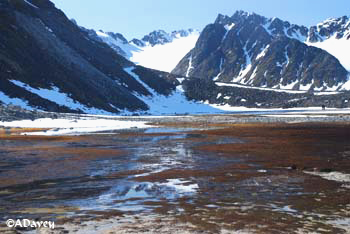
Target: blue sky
(135, 18)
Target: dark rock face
(253, 50)
(157, 37)
(160, 37)
(42, 48)
(207, 91)
(118, 36)
(181, 33)
(138, 42)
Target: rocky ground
(12, 113)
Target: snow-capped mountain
(157, 50)
(252, 50)
(333, 35)
(59, 68)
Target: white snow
(228, 28)
(346, 85)
(14, 101)
(306, 87)
(266, 27)
(258, 88)
(298, 36)
(180, 80)
(335, 176)
(189, 66)
(220, 70)
(180, 88)
(60, 98)
(251, 78)
(49, 29)
(263, 52)
(303, 90)
(286, 56)
(31, 4)
(326, 93)
(160, 57)
(175, 103)
(128, 48)
(289, 86)
(334, 88)
(247, 68)
(243, 73)
(165, 57)
(280, 111)
(339, 48)
(74, 126)
(181, 186)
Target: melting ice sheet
(74, 126)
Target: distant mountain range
(50, 63)
(252, 50)
(157, 50)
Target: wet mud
(255, 178)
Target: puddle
(166, 173)
(105, 183)
(130, 196)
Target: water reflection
(105, 183)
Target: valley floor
(251, 173)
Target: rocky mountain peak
(253, 50)
(338, 27)
(157, 37)
(222, 19)
(160, 37)
(118, 36)
(273, 26)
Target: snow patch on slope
(127, 48)
(263, 52)
(14, 101)
(56, 96)
(304, 89)
(31, 4)
(228, 28)
(175, 103)
(339, 48)
(189, 66)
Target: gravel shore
(13, 113)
